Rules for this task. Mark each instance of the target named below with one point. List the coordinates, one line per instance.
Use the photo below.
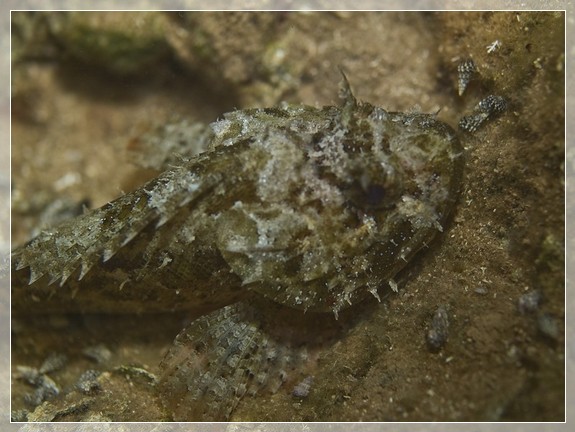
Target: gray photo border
(7, 5)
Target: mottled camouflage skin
(291, 212)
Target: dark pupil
(374, 195)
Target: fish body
(291, 215)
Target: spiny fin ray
(98, 235)
(238, 351)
